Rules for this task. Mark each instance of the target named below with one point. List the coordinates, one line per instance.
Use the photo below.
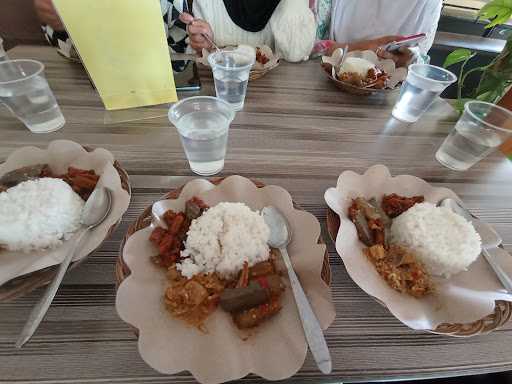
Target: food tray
(349, 88)
(255, 74)
(25, 284)
(502, 310)
(144, 220)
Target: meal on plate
(409, 240)
(40, 209)
(215, 257)
(362, 73)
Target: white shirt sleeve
(357, 20)
(429, 24)
(294, 28)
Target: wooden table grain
(297, 131)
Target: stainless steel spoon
(280, 237)
(490, 239)
(95, 211)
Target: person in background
(371, 24)
(56, 35)
(287, 26)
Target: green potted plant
(496, 77)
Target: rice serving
(222, 239)
(443, 241)
(38, 214)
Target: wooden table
(297, 131)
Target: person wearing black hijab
(251, 15)
(287, 26)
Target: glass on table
(424, 83)
(231, 69)
(25, 91)
(203, 125)
(3, 54)
(482, 128)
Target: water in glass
(231, 88)
(413, 102)
(465, 146)
(204, 135)
(34, 104)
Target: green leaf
(459, 104)
(457, 56)
(488, 96)
(497, 11)
(491, 81)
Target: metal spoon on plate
(280, 237)
(95, 211)
(490, 239)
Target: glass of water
(25, 91)
(423, 84)
(481, 128)
(203, 124)
(231, 74)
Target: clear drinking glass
(231, 74)
(25, 91)
(423, 84)
(3, 54)
(203, 124)
(481, 128)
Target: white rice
(38, 214)
(443, 241)
(223, 238)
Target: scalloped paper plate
(275, 350)
(466, 297)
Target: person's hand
(48, 15)
(196, 29)
(372, 45)
(375, 44)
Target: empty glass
(203, 124)
(25, 91)
(423, 84)
(481, 128)
(231, 74)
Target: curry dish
(251, 298)
(82, 181)
(396, 264)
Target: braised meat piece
(195, 208)
(82, 181)
(170, 241)
(394, 205)
(253, 317)
(13, 178)
(368, 221)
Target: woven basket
(144, 220)
(258, 74)
(502, 309)
(24, 284)
(352, 89)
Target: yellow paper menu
(123, 46)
